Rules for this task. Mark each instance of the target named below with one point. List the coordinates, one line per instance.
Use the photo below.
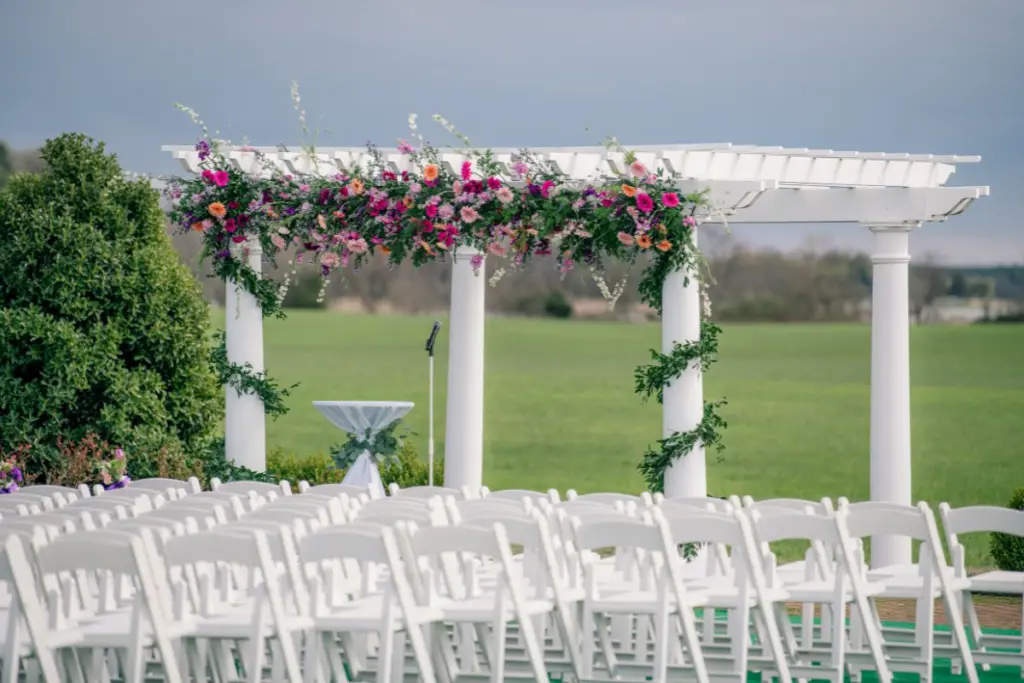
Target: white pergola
(889, 194)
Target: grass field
(560, 410)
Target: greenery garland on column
(245, 380)
(650, 380)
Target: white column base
(890, 383)
(245, 420)
(464, 420)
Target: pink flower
(520, 168)
(357, 246)
(220, 178)
(207, 175)
(415, 188)
(496, 249)
(118, 454)
(431, 210)
(670, 199)
(504, 195)
(446, 212)
(467, 170)
(468, 214)
(545, 189)
(637, 169)
(690, 221)
(476, 261)
(405, 148)
(626, 239)
(330, 260)
(456, 188)
(278, 241)
(644, 202)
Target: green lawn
(561, 411)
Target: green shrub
(557, 306)
(409, 470)
(318, 468)
(102, 330)
(1008, 550)
(216, 465)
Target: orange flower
(321, 221)
(198, 226)
(643, 241)
(384, 250)
(356, 186)
(629, 190)
(430, 172)
(407, 202)
(664, 245)
(217, 210)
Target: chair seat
(725, 594)
(911, 586)
(482, 609)
(235, 625)
(998, 582)
(640, 602)
(368, 615)
(823, 591)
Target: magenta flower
(431, 210)
(670, 200)
(545, 189)
(644, 202)
(467, 169)
(220, 178)
(405, 148)
(493, 183)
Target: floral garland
(245, 380)
(382, 445)
(514, 212)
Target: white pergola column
(245, 420)
(683, 404)
(464, 421)
(890, 381)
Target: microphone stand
(430, 402)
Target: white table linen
(355, 417)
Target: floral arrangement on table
(11, 476)
(512, 212)
(384, 447)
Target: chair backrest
(981, 519)
(245, 487)
(871, 518)
(769, 506)
(707, 503)
(333, 490)
(519, 495)
(422, 491)
(611, 498)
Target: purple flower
(203, 147)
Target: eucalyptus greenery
(384, 446)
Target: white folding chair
(924, 582)
(989, 648)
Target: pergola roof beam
(867, 205)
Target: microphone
(433, 337)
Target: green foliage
(1008, 550)
(6, 166)
(405, 469)
(102, 330)
(216, 465)
(557, 306)
(650, 380)
(245, 380)
(408, 470)
(383, 446)
(317, 468)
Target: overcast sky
(923, 76)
